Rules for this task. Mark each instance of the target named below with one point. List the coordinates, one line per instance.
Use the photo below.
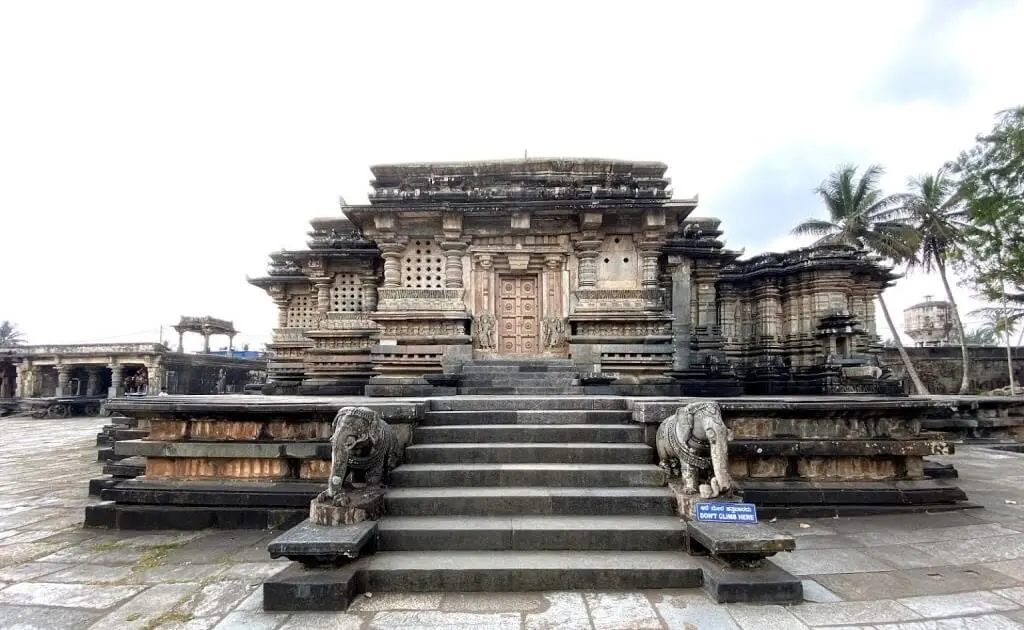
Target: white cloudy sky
(153, 153)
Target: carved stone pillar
(282, 304)
(206, 340)
(552, 284)
(483, 281)
(392, 254)
(587, 253)
(323, 296)
(453, 251)
(369, 285)
(116, 388)
(157, 377)
(181, 341)
(21, 378)
(649, 268)
(680, 270)
(63, 375)
(92, 384)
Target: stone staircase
(529, 494)
(526, 377)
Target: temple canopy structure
(591, 260)
(207, 327)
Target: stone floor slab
(147, 609)
(45, 618)
(835, 561)
(983, 622)
(854, 613)
(493, 602)
(434, 619)
(323, 621)
(565, 611)
(378, 602)
(751, 617)
(621, 611)
(955, 604)
(693, 612)
(66, 595)
(913, 582)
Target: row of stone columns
(29, 377)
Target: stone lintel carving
(363, 451)
(647, 299)
(398, 299)
(694, 443)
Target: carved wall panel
(302, 311)
(347, 293)
(423, 265)
(618, 263)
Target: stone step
(530, 433)
(532, 533)
(526, 380)
(573, 475)
(452, 571)
(518, 453)
(298, 588)
(515, 390)
(527, 416)
(499, 501)
(519, 362)
(519, 369)
(460, 403)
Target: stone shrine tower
(586, 259)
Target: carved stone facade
(590, 259)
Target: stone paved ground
(929, 571)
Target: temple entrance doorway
(518, 322)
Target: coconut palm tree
(862, 216)
(933, 206)
(10, 336)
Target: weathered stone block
(225, 430)
(317, 469)
(168, 430)
(205, 468)
(363, 505)
(846, 468)
(747, 428)
(281, 430)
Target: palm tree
(934, 207)
(861, 216)
(10, 336)
(982, 336)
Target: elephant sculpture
(364, 445)
(694, 443)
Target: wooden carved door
(517, 312)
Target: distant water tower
(929, 323)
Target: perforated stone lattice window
(347, 293)
(422, 266)
(302, 311)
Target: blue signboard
(727, 512)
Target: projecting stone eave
(268, 282)
(517, 166)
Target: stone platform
(256, 461)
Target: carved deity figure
(485, 330)
(362, 445)
(222, 381)
(695, 442)
(554, 330)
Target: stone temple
(587, 260)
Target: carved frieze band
(420, 300)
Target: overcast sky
(153, 153)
